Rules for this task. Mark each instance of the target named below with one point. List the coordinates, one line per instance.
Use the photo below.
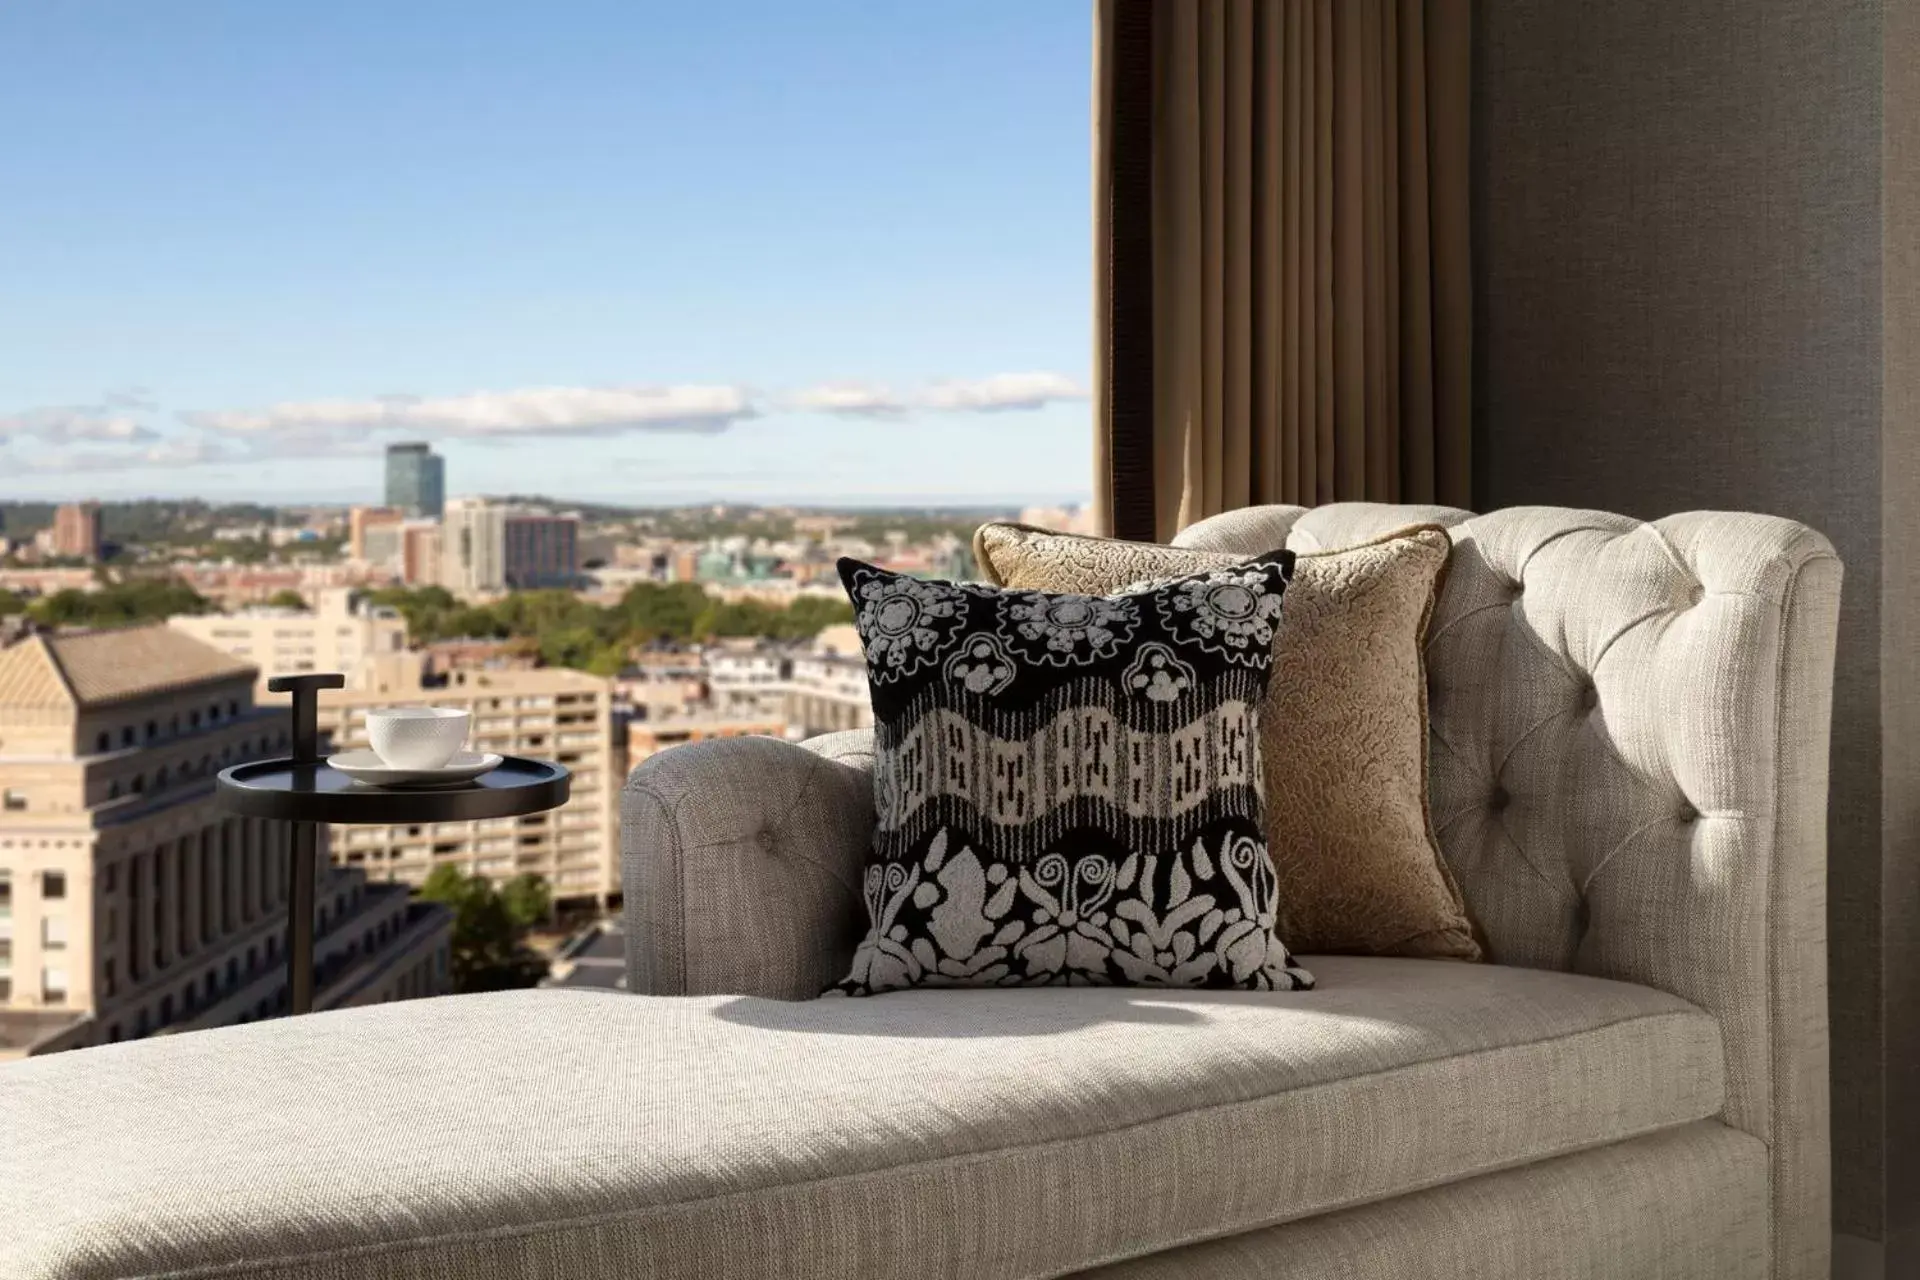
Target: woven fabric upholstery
(978, 1134)
(1629, 774)
(1684, 1202)
(741, 861)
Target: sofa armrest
(741, 862)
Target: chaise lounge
(1629, 778)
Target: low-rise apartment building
(826, 687)
(336, 635)
(130, 904)
(551, 713)
(647, 738)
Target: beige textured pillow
(1343, 731)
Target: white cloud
(112, 435)
(855, 399)
(175, 451)
(1002, 391)
(533, 411)
(77, 422)
(995, 393)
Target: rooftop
(94, 668)
(21, 1029)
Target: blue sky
(625, 251)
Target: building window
(166, 1010)
(53, 933)
(53, 984)
(153, 731)
(104, 742)
(213, 713)
(53, 885)
(139, 784)
(16, 800)
(126, 736)
(6, 894)
(113, 790)
(193, 721)
(107, 982)
(233, 707)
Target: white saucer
(364, 766)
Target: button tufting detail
(1589, 698)
(765, 839)
(1687, 812)
(1499, 799)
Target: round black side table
(303, 791)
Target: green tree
(663, 610)
(11, 602)
(287, 598)
(488, 953)
(122, 604)
(528, 900)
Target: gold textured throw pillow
(1343, 730)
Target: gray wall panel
(1679, 280)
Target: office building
(129, 903)
(489, 547)
(368, 533)
(551, 713)
(420, 543)
(416, 480)
(473, 541)
(540, 551)
(76, 531)
(341, 630)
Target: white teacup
(417, 737)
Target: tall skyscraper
(416, 480)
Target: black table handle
(306, 707)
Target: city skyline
(843, 280)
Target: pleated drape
(1311, 303)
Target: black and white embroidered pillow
(1068, 787)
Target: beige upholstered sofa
(1629, 764)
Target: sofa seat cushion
(983, 1133)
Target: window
(103, 743)
(53, 984)
(16, 800)
(53, 933)
(6, 894)
(107, 980)
(53, 885)
(153, 731)
(126, 736)
(113, 790)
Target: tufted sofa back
(1628, 768)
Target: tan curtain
(1311, 302)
